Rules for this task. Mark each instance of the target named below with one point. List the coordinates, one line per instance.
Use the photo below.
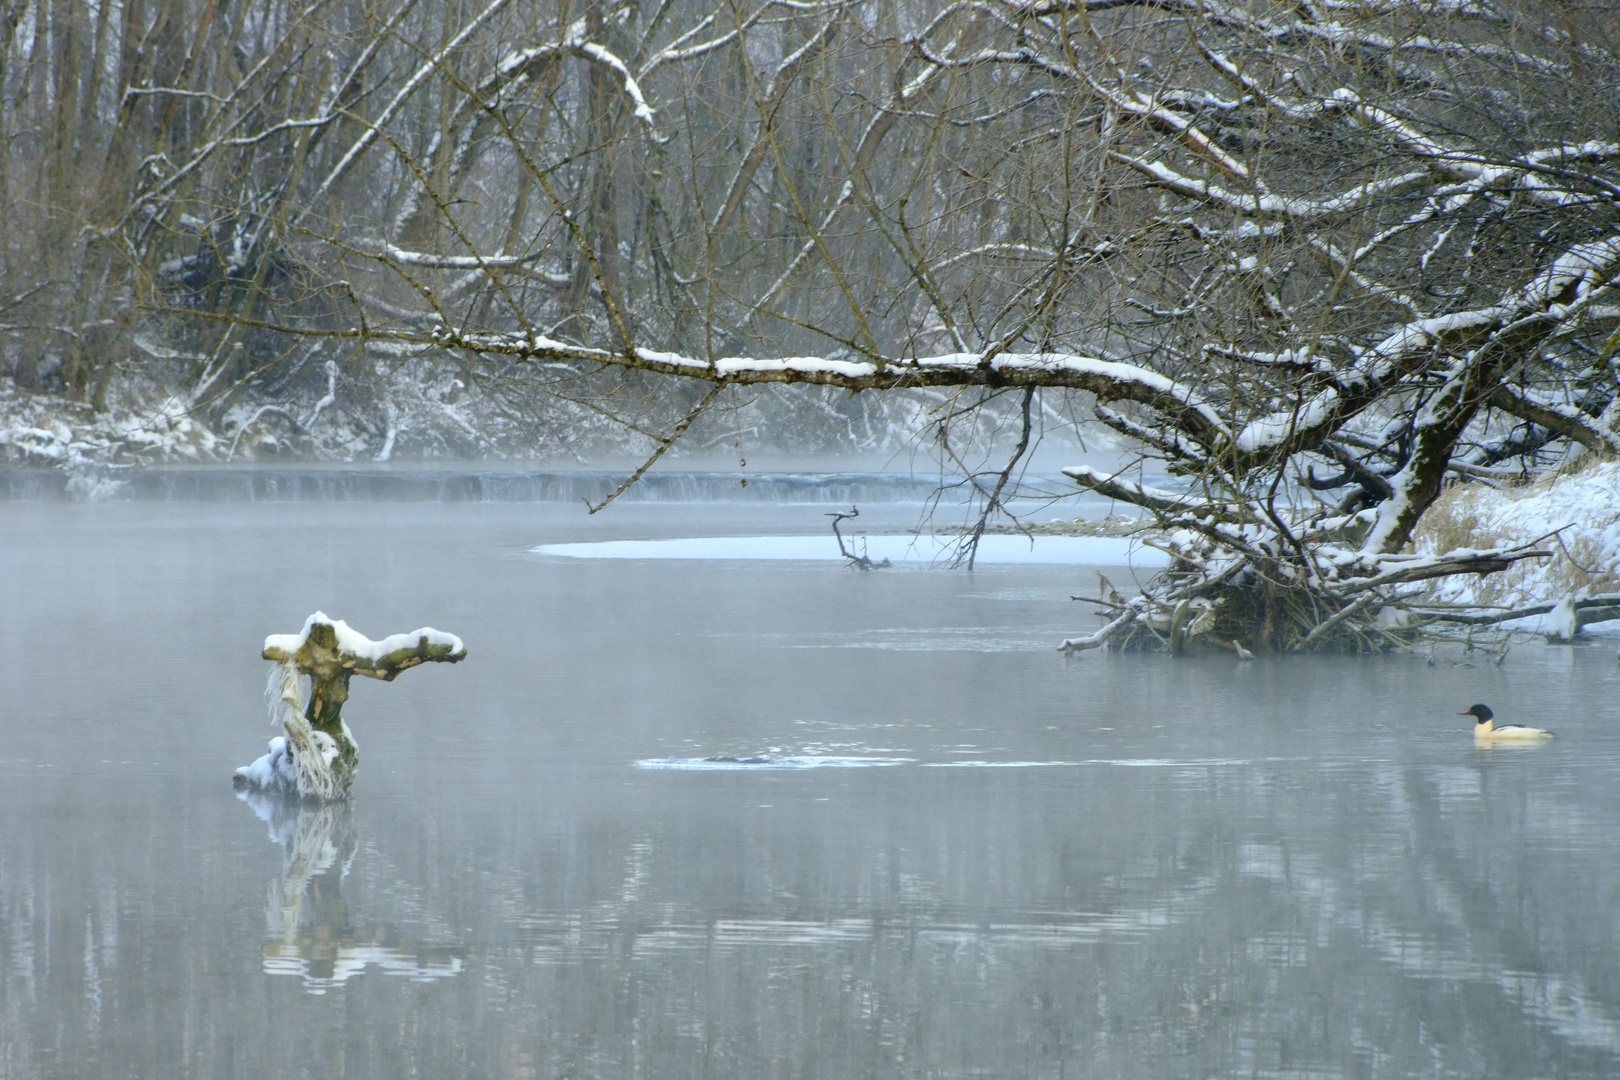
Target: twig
(969, 550)
(663, 447)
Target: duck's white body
(1486, 733)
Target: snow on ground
(1584, 504)
(91, 447)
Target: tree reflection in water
(311, 933)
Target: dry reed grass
(1584, 560)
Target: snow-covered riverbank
(1582, 506)
(89, 446)
(424, 413)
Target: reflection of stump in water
(311, 933)
(316, 759)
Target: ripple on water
(733, 763)
(1133, 763)
(729, 763)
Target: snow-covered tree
(1320, 257)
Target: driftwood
(859, 560)
(1247, 575)
(1593, 609)
(317, 757)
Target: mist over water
(1039, 487)
(757, 818)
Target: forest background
(1323, 262)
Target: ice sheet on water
(1051, 550)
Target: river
(752, 818)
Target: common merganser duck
(1487, 732)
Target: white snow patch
(353, 642)
(1560, 623)
(275, 771)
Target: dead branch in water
(859, 560)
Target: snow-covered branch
(1317, 260)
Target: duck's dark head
(1482, 713)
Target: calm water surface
(937, 849)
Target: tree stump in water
(316, 759)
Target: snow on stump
(1562, 623)
(316, 759)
